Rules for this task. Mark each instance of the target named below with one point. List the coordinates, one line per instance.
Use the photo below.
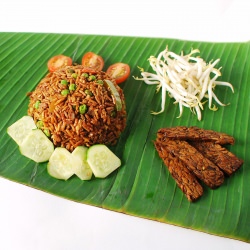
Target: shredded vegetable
(186, 78)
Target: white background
(31, 219)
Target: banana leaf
(142, 186)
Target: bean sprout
(186, 78)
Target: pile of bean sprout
(186, 78)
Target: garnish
(186, 78)
(115, 94)
(119, 71)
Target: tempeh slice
(219, 155)
(194, 134)
(186, 181)
(203, 168)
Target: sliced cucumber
(21, 128)
(81, 166)
(102, 160)
(60, 164)
(115, 94)
(37, 146)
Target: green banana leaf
(142, 186)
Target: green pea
(74, 75)
(37, 104)
(88, 92)
(100, 82)
(92, 78)
(85, 75)
(46, 132)
(39, 124)
(83, 109)
(64, 82)
(72, 87)
(71, 71)
(65, 92)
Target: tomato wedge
(93, 61)
(58, 61)
(119, 71)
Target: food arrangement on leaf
(97, 136)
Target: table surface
(32, 219)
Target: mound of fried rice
(60, 116)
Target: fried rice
(74, 106)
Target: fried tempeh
(186, 181)
(194, 134)
(202, 167)
(219, 155)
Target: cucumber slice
(60, 164)
(115, 94)
(37, 146)
(21, 128)
(102, 160)
(81, 166)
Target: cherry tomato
(58, 61)
(92, 60)
(119, 71)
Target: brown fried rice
(73, 107)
